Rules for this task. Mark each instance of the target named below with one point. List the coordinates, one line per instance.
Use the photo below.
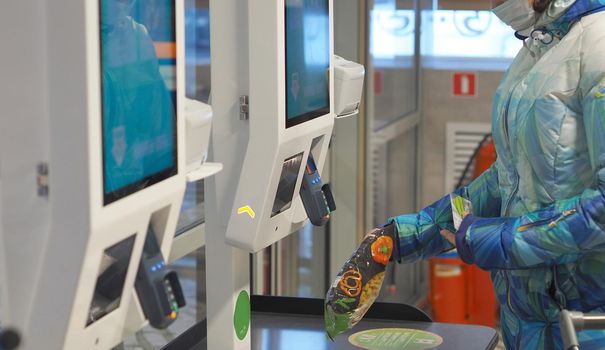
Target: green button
(241, 315)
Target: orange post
(485, 158)
(482, 305)
(448, 289)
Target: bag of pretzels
(358, 283)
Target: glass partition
(395, 193)
(192, 209)
(197, 71)
(392, 65)
(464, 33)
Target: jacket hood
(563, 14)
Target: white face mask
(516, 13)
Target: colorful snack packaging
(461, 207)
(359, 281)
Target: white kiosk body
(273, 102)
(92, 153)
(290, 103)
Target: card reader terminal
(158, 288)
(316, 197)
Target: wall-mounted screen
(138, 61)
(307, 60)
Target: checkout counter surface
(282, 323)
(279, 329)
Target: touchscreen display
(307, 60)
(138, 58)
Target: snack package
(461, 207)
(359, 281)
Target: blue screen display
(138, 59)
(307, 60)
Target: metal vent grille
(461, 140)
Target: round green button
(395, 339)
(241, 315)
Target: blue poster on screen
(138, 97)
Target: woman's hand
(458, 239)
(451, 237)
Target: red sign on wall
(378, 82)
(464, 84)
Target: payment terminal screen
(138, 59)
(307, 60)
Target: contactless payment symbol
(395, 339)
(246, 210)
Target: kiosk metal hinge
(42, 179)
(244, 107)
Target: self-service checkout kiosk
(94, 166)
(273, 98)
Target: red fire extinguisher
(486, 156)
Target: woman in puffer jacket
(539, 224)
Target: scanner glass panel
(110, 280)
(307, 60)
(138, 59)
(287, 184)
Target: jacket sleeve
(418, 234)
(567, 230)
